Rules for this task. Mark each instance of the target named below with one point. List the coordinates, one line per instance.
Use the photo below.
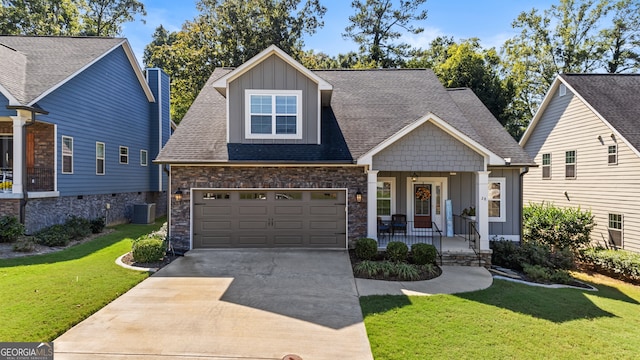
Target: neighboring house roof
(367, 108)
(612, 97)
(34, 66)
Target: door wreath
(423, 193)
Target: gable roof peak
(222, 82)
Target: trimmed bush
(505, 254)
(148, 249)
(97, 225)
(556, 227)
(55, 235)
(366, 248)
(620, 263)
(77, 227)
(543, 274)
(397, 251)
(424, 254)
(26, 244)
(10, 229)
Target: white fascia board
(222, 82)
(132, 59)
(12, 99)
(545, 102)
(490, 157)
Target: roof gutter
(25, 192)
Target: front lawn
(508, 321)
(43, 296)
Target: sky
(488, 20)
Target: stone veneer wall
(44, 212)
(187, 177)
(466, 259)
(10, 207)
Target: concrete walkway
(454, 279)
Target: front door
(425, 200)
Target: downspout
(523, 172)
(31, 121)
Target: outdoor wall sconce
(359, 196)
(414, 177)
(178, 195)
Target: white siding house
(585, 140)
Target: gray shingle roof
(368, 107)
(615, 97)
(45, 61)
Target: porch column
(482, 208)
(372, 201)
(18, 156)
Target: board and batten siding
(160, 126)
(273, 74)
(568, 124)
(428, 148)
(105, 103)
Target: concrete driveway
(231, 304)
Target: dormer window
(273, 114)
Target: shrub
(619, 263)
(366, 268)
(10, 229)
(505, 254)
(25, 244)
(77, 227)
(148, 249)
(97, 225)
(386, 269)
(406, 271)
(55, 235)
(424, 254)
(537, 273)
(559, 228)
(397, 251)
(366, 248)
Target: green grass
(43, 296)
(508, 321)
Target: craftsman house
(80, 123)
(272, 154)
(585, 137)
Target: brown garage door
(269, 218)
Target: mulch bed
(423, 274)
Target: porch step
(457, 258)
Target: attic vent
(563, 90)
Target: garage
(268, 218)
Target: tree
(228, 33)
(575, 36)
(466, 64)
(375, 27)
(105, 17)
(40, 17)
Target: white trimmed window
(570, 164)
(100, 168)
(67, 155)
(124, 155)
(615, 229)
(496, 199)
(143, 158)
(612, 155)
(563, 90)
(273, 114)
(385, 191)
(546, 166)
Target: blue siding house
(80, 123)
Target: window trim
(104, 153)
(615, 154)
(62, 152)
(503, 201)
(392, 199)
(547, 166)
(621, 229)
(121, 155)
(574, 163)
(563, 90)
(146, 157)
(273, 93)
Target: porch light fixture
(178, 195)
(414, 177)
(359, 196)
